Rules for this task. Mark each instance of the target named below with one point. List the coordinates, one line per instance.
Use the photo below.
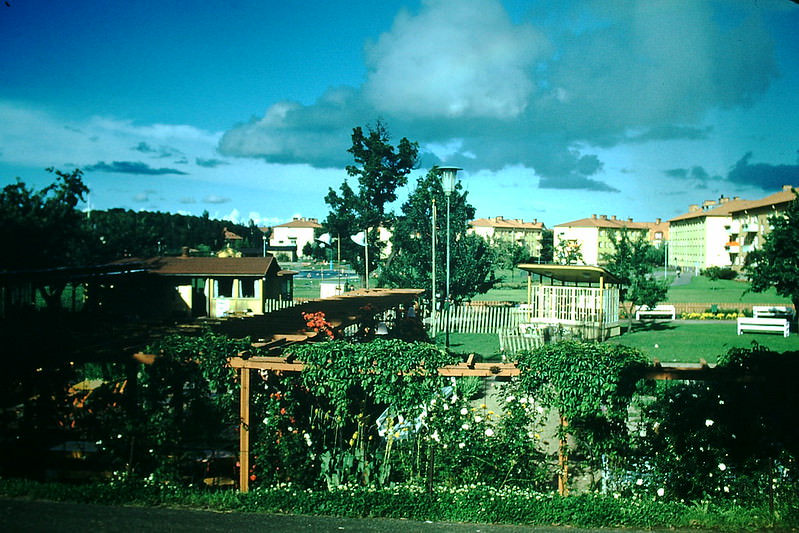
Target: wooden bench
(659, 311)
(768, 325)
(772, 311)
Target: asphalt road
(17, 515)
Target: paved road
(27, 516)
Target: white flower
(461, 444)
(489, 432)
(722, 467)
(539, 408)
(639, 481)
(446, 407)
(435, 436)
(464, 411)
(478, 418)
(465, 426)
(709, 422)
(661, 491)
(509, 399)
(522, 400)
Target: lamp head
(448, 175)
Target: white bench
(769, 325)
(772, 311)
(659, 311)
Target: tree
(776, 264)
(380, 169)
(568, 252)
(42, 229)
(632, 261)
(410, 263)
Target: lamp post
(448, 177)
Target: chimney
(657, 220)
(603, 217)
(629, 219)
(593, 217)
(787, 188)
(693, 208)
(613, 217)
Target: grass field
(690, 341)
(676, 341)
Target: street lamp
(448, 177)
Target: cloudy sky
(554, 110)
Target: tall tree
(632, 261)
(43, 228)
(776, 264)
(410, 263)
(380, 168)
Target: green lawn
(703, 290)
(688, 342)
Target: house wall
(588, 237)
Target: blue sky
(554, 110)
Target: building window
(247, 288)
(224, 287)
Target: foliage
(776, 263)
(117, 233)
(724, 439)
(632, 262)
(589, 384)
(714, 273)
(42, 229)
(472, 503)
(568, 252)
(380, 169)
(410, 263)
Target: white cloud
(454, 59)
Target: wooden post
(563, 460)
(244, 432)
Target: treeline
(44, 229)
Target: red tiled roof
(723, 210)
(500, 222)
(301, 223)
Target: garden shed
(566, 301)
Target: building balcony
(751, 227)
(732, 247)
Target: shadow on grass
(650, 325)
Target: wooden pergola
(700, 371)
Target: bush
(715, 272)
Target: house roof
(572, 273)
(602, 221)
(786, 195)
(724, 210)
(209, 266)
(301, 223)
(501, 222)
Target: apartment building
(499, 229)
(698, 238)
(750, 224)
(595, 234)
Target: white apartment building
(500, 229)
(296, 234)
(594, 235)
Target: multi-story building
(295, 234)
(721, 233)
(698, 238)
(595, 235)
(499, 229)
(750, 225)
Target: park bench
(659, 311)
(772, 311)
(768, 325)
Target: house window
(247, 288)
(224, 287)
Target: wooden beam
(244, 431)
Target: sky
(554, 110)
